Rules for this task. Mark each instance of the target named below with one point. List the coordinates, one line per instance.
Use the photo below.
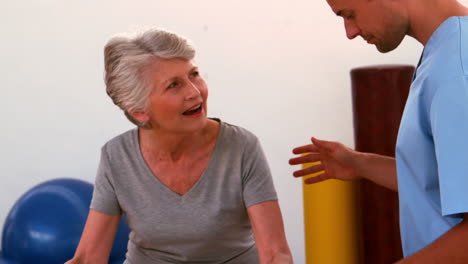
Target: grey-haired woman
(193, 189)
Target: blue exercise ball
(6, 261)
(118, 261)
(45, 224)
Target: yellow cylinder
(330, 222)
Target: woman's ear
(140, 116)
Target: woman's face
(177, 102)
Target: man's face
(379, 22)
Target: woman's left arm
(268, 229)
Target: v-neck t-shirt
(209, 223)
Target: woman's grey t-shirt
(209, 223)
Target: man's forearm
(379, 169)
(449, 248)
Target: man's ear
(140, 116)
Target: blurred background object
(45, 224)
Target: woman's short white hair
(125, 60)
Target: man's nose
(352, 30)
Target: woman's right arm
(97, 239)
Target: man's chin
(384, 49)
(388, 46)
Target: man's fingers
(311, 157)
(309, 170)
(318, 178)
(305, 149)
(323, 144)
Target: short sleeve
(449, 122)
(104, 197)
(256, 175)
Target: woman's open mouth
(193, 111)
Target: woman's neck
(170, 146)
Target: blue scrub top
(432, 145)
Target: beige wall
(278, 68)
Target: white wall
(278, 68)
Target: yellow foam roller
(330, 219)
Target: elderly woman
(193, 189)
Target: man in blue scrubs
(430, 171)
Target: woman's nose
(193, 91)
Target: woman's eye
(172, 85)
(195, 74)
